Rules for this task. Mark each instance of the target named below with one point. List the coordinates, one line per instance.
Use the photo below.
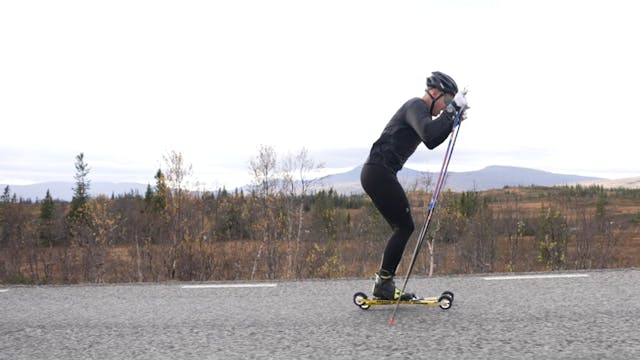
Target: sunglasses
(448, 101)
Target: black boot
(385, 288)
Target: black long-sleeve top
(411, 125)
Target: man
(412, 124)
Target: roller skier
(428, 120)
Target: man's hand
(463, 116)
(460, 100)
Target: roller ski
(385, 292)
(445, 301)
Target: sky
(552, 84)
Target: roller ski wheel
(445, 301)
(448, 293)
(359, 299)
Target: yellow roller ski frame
(445, 301)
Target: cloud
(552, 84)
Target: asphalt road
(580, 315)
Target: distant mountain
(61, 190)
(629, 183)
(491, 177)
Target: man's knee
(410, 227)
(406, 227)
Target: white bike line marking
(224, 286)
(528, 277)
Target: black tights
(388, 196)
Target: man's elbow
(430, 144)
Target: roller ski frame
(445, 301)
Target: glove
(460, 100)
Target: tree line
(284, 227)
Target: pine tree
(148, 196)
(81, 191)
(6, 195)
(161, 197)
(4, 208)
(46, 220)
(47, 207)
(78, 217)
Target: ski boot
(385, 288)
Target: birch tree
(297, 170)
(177, 176)
(263, 170)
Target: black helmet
(442, 82)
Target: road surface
(571, 315)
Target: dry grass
(347, 256)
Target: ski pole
(432, 206)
